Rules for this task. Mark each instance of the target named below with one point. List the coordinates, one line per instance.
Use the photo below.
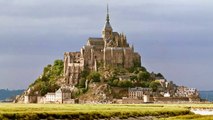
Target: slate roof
(64, 90)
(50, 94)
(139, 89)
(96, 41)
(107, 25)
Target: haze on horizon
(174, 37)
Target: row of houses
(135, 95)
(183, 91)
(62, 95)
(143, 95)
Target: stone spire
(107, 18)
(107, 30)
(107, 24)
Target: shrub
(154, 85)
(84, 73)
(94, 77)
(143, 76)
(47, 82)
(133, 77)
(125, 83)
(82, 83)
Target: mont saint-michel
(106, 69)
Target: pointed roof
(107, 24)
(107, 18)
(64, 90)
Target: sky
(174, 37)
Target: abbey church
(112, 49)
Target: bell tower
(107, 30)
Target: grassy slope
(35, 111)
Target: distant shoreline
(208, 95)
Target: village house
(137, 95)
(62, 95)
(183, 91)
(138, 92)
(50, 98)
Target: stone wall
(170, 99)
(132, 101)
(73, 65)
(30, 99)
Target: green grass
(25, 111)
(88, 111)
(190, 117)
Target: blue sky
(174, 37)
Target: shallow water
(202, 111)
(207, 95)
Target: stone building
(183, 91)
(138, 92)
(112, 49)
(50, 98)
(62, 95)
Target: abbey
(112, 49)
(106, 58)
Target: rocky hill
(49, 81)
(103, 84)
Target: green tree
(111, 79)
(154, 85)
(57, 68)
(133, 77)
(142, 69)
(82, 83)
(84, 73)
(94, 77)
(48, 81)
(45, 78)
(115, 82)
(125, 83)
(143, 76)
(159, 75)
(47, 70)
(145, 84)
